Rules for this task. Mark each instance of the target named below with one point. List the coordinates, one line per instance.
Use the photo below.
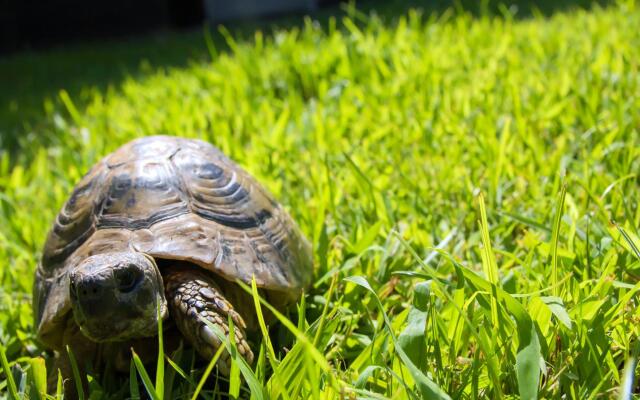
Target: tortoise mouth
(108, 332)
(118, 320)
(122, 322)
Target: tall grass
(457, 176)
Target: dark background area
(33, 24)
(37, 24)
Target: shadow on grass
(30, 82)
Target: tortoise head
(115, 296)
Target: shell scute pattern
(141, 193)
(217, 191)
(76, 221)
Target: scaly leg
(191, 293)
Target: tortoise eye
(127, 278)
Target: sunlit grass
(458, 177)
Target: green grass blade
(178, 353)
(412, 338)
(311, 373)
(524, 220)
(289, 376)
(160, 361)
(558, 309)
(555, 235)
(428, 388)
(206, 373)
(133, 382)
(302, 310)
(271, 355)
(325, 310)
(263, 326)
(77, 379)
(628, 240)
(60, 386)
(257, 390)
(211, 47)
(181, 372)
(38, 377)
(71, 108)
(363, 181)
(313, 352)
(234, 373)
(489, 265)
(432, 274)
(146, 381)
(529, 359)
(13, 390)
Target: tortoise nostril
(88, 289)
(128, 278)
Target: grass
(469, 184)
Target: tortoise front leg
(191, 294)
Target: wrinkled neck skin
(117, 296)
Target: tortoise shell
(171, 198)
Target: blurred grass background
(31, 78)
(378, 129)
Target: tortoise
(163, 224)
